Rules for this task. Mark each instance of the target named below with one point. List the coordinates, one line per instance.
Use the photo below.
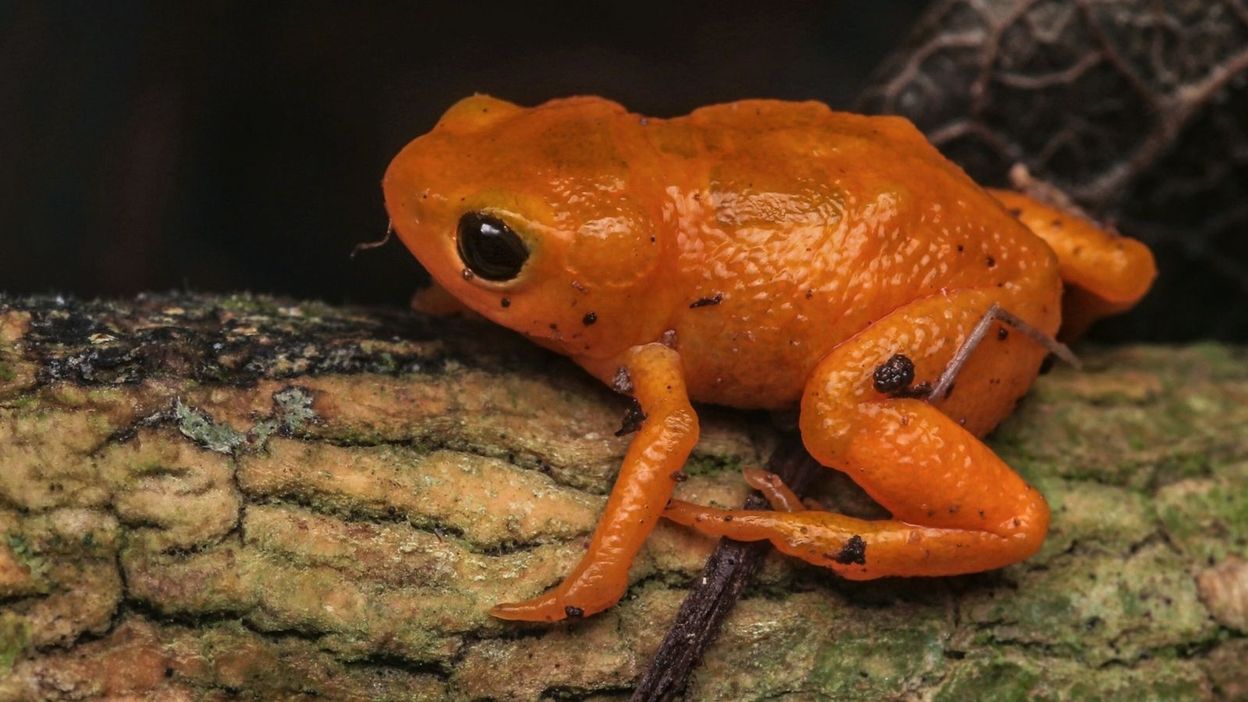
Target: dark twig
(713, 595)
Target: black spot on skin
(466, 274)
(810, 294)
(633, 418)
(505, 302)
(573, 612)
(1016, 212)
(679, 477)
(893, 375)
(992, 262)
(854, 551)
(707, 301)
(1002, 333)
(554, 327)
(961, 248)
(727, 517)
(622, 382)
(589, 318)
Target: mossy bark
(219, 497)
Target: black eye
(489, 247)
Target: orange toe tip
(678, 511)
(545, 608)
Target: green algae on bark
(215, 498)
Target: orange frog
(762, 254)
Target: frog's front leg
(656, 454)
(956, 506)
(435, 301)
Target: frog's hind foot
(780, 496)
(957, 508)
(857, 549)
(1104, 272)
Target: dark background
(228, 146)
(240, 146)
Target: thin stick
(366, 245)
(713, 595)
(996, 314)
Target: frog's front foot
(667, 435)
(543, 608)
(562, 602)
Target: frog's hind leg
(956, 507)
(1105, 273)
(996, 313)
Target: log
(219, 497)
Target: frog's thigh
(957, 507)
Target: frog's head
(538, 218)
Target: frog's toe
(556, 605)
(543, 608)
(688, 513)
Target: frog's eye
(489, 248)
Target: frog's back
(798, 226)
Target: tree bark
(214, 497)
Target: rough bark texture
(1137, 108)
(206, 498)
